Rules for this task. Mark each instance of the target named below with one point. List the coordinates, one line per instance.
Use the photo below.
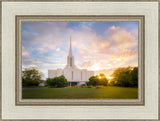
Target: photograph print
(80, 60)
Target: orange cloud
(81, 52)
(104, 44)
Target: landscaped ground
(81, 93)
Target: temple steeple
(70, 49)
(70, 57)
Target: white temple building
(74, 75)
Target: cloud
(58, 49)
(24, 51)
(87, 64)
(122, 38)
(46, 45)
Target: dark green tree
(56, 82)
(31, 77)
(125, 77)
(93, 80)
(134, 77)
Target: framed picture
(80, 60)
(91, 81)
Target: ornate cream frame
(20, 102)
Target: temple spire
(70, 49)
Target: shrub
(83, 86)
(99, 86)
(90, 86)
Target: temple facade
(74, 75)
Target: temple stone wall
(72, 75)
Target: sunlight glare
(109, 77)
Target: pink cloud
(24, 51)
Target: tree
(125, 77)
(134, 78)
(102, 80)
(93, 80)
(102, 75)
(31, 77)
(98, 80)
(60, 81)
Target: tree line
(123, 77)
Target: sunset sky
(95, 45)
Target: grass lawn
(81, 93)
